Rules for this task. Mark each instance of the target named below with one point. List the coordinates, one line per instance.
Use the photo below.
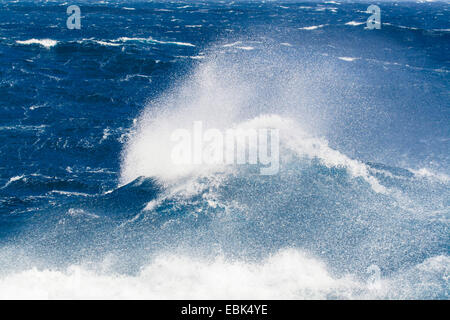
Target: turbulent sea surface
(91, 206)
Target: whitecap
(247, 48)
(427, 173)
(105, 43)
(354, 23)
(313, 27)
(12, 179)
(46, 43)
(349, 59)
(150, 39)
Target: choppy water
(91, 206)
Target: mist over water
(92, 204)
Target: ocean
(91, 205)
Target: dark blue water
(82, 113)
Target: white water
(289, 274)
(225, 94)
(46, 43)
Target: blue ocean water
(90, 207)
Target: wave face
(92, 206)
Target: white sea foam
(12, 179)
(143, 160)
(304, 145)
(354, 23)
(231, 44)
(150, 39)
(427, 173)
(313, 27)
(248, 48)
(46, 43)
(321, 9)
(288, 274)
(219, 97)
(70, 193)
(349, 59)
(399, 26)
(108, 44)
(74, 212)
